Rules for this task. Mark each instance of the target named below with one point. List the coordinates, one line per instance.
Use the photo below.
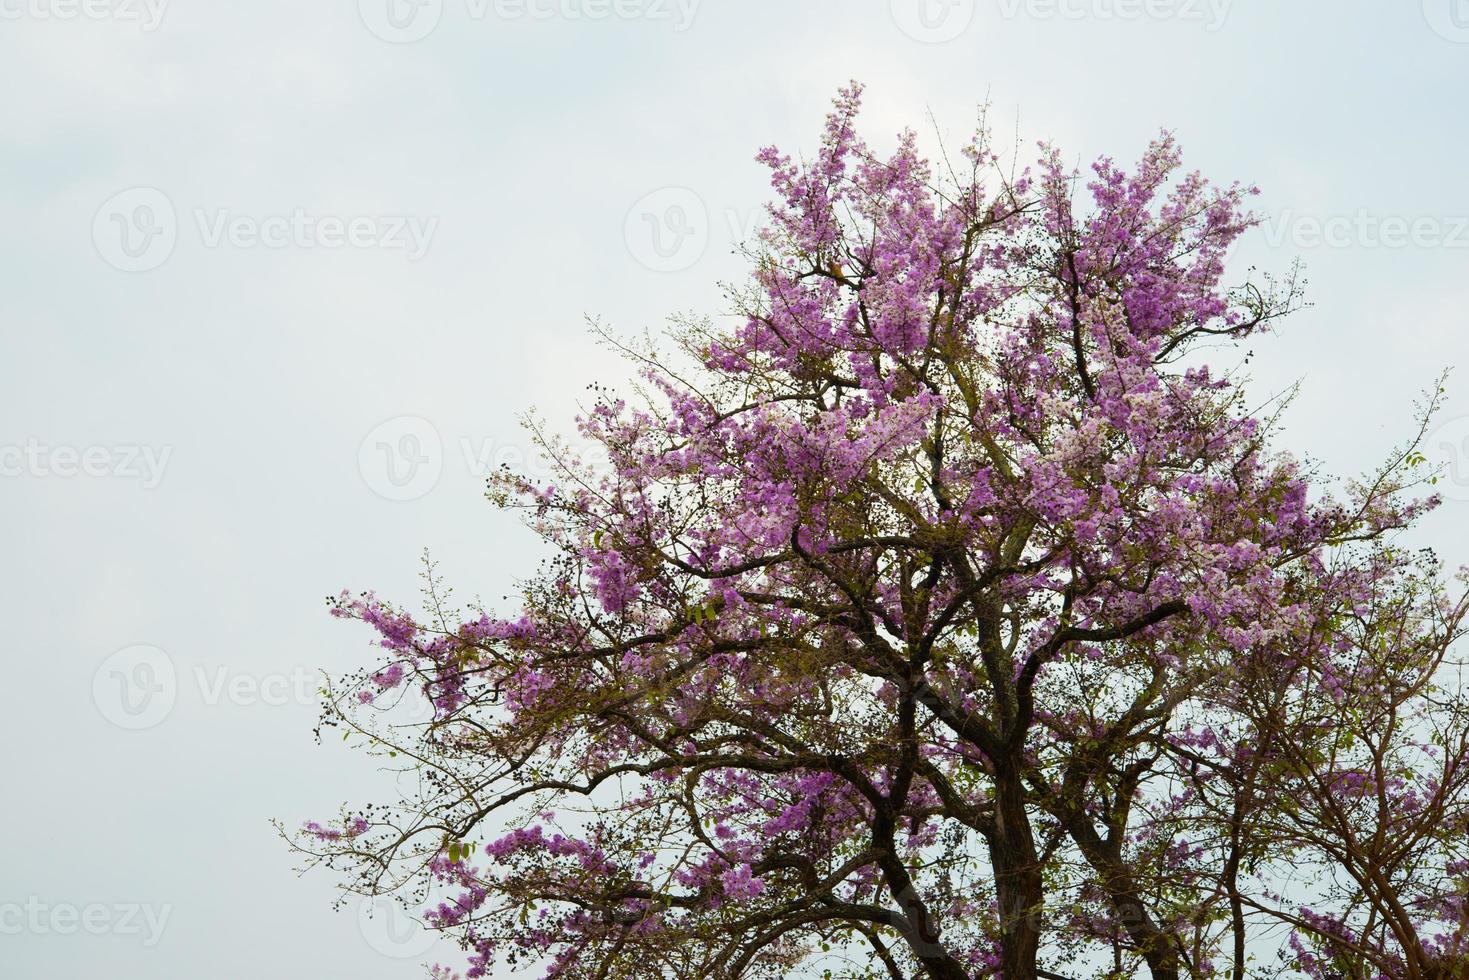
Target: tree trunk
(1018, 885)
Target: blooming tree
(942, 615)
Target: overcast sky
(280, 275)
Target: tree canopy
(940, 613)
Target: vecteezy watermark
(667, 230)
(136, 230)
(401, 21)
(138, 687)
(1211, 13)
(1365, 229)
(37, 459)
(301, 229)
(406, 21)
(35, 917)
(1448, 18)
(402, 459)
(1447, 450)
(484, 457)
(932, 21)
(390, 930)
(147, 14)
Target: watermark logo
(1447, 449)
(932, 21)
(402, 459)
(1448, 18)
(401, 21)
(135, 230)
(39, 918)
(147, 14)
(391, 931)
(667, 230)
(136, 687)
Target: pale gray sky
(246, 245)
